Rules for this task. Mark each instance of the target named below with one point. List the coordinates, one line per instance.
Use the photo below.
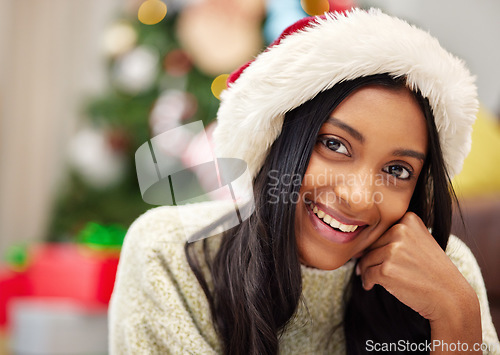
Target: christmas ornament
(193, 155)
(219, 84)
(151, 12)
(173, 6)
(170, 109)
(94, 159)
(177, 63)
(315, 7)
(137, 70)
(119, 39)
(218, 35)
(341, 5)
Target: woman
(351, 127)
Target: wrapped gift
(53, 326)
(82, 272)
(12, 284)
(72, 271)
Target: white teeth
(351, 228)
(332, 221)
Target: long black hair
(255, 274)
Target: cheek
(319, 173)
(313, 169)
(393, 207)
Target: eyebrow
(409, 153)
(353, 132)
(358, 136)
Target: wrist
(458, 314)
(458, 321)
(456, 307)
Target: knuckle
(412, 216)
(386, 269)
(401, 229)
(393, 248)
(399, 246)
(412, 219)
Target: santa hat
(316, 53)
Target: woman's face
(361, 175)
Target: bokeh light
(177, 63)
(315, 7)
(151, 12)
(219, 84)
(119, 39)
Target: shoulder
(156, 294)
(459, 253)
(464, 260)
(174, 223)
(466, 263)
(154, 244)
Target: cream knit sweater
(158, 307)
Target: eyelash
(324, 141)
(386, 169)
(407, 170)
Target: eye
(398, 171)
(334, 145)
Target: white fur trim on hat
(336, 48)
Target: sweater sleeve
(157, 306)
(464, 260)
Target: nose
(357, 191)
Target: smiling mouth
(331, 221)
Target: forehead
(389, 115)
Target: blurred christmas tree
(160, 77)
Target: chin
(323, 262)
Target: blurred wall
(49, 59)
(469, 29)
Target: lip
(342, 219)
(327, 231)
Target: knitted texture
(158, 306)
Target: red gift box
(12, 284)
(72, 271)
(68, 271)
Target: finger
(389, 236)
(399, 231)
(381, 242)
(412, 220)
(371, 258)
(369, 267)
(377, 274)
